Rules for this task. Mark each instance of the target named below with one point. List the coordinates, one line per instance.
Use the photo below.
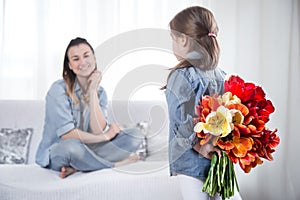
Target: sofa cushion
(14, 144)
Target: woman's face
(82, 61)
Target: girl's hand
(112, 131)
(207, 150)
(94, 81)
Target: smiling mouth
(83, 68)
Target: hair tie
(211, 35)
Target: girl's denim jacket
(184, 89)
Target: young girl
(76, 135)
(194, 34)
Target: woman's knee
(67, 149)
(136, 133)
(134, 138)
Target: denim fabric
(97, 156)
(62, 115)
(184, 89)
(72, 152)
(124, 144)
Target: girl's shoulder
(192, 73)
(186, 71)
(183, 77)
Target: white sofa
(143, 180)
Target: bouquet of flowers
(236, 123)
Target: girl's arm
(179, 96)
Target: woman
(76, 136)
(194, 34)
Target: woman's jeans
(90, 157)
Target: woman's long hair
(68, 75)
(200, 27)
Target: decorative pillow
(14, 144)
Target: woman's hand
(112, 131)
(94, 81)
(207, 150)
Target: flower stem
(221, 177)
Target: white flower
(218, 123)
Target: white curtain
(259, 41)
(34, 35)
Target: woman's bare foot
(67, 171)
(130, 159)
